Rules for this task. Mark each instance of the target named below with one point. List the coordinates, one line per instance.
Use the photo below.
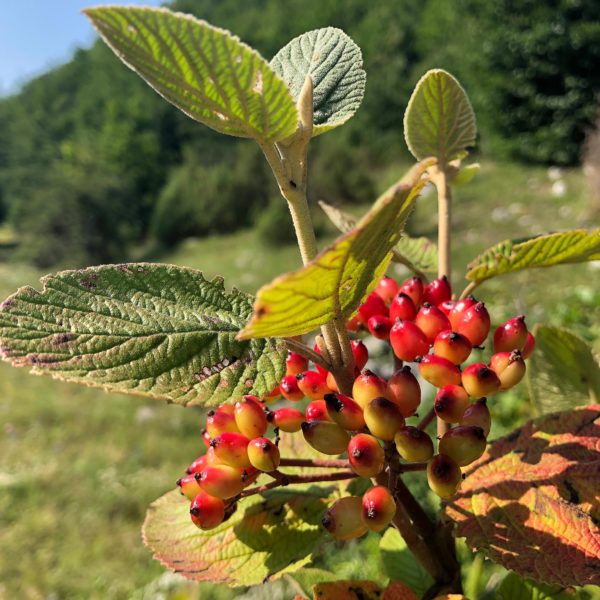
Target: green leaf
(337, 280)
(514, 587)
(563, 372)
(155, 330)
(546, 250)
(439, 120)
(417, 254)
(466, 174)
(335, 63)
(203, 70)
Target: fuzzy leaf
(154, 330)
(563, 372)
(439, 120)
(337, 280)
(531, 503)
(203, 70)
(546, 250)
(335, 63)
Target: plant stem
(469, 289)
(298, 479)
(424, 422)
(304, 350)
(307, 462)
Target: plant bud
(443, 475)
(250, 418)
(529, 346)
(379, 327)
(344, 411)
(403, 308)
(368, 386)
(413, 288)
(459, 309)
(317, 411)
(386, 289)
(287, 419)
(404, 390)
(408, 341)
(437, 291)
(295, 363)
(289, 388)
(231, 449)
(438, 371)
(373, 305)
(189, 486)
(263, 454)
(326, 437)
(361, 354)
(383, 418)
(510, 368)
(221, 481)
(207, 512)
(413, 445)
(479, 380)
(511, 335)
(218, 422)
(450, 403)
(475, 324)
(463, 444)
(478, 414)
(343, 520)
(313, 384)
(452, 346)
(366, 455)
(378, 508)
(431, 321)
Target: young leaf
(546, 250)
(203, 70)
(336, 281)
(563, 372)
(531, 502)
(439, 120)
(335, 63)
(155, 330)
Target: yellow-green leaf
(546, 250)
(337, 280)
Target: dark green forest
(95, 166)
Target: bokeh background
(96, 168)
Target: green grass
(78, 467)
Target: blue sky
(36, 35)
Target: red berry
(459, 309)
(295, 363)
(408, 341)
(354, 324)
(361, 354)
(443, 475)
(431, 321)
(273, 395)
(373, 305)
(368, 386)
(450, 403)
(263, 454)
(478, 414)
(331, 383)
(326, 437)
(317, 411)
(221, 481)
(437, 291)
(404, 390)
(189, 486)
(383, 418)
(286, 419)
(197, 465)
(379, 327)
(313, 384)
(475, 324)
(366, 455)
(446, 307)
(378, 508)
(231, 449)
(439, 371)
(250, 417)
(344, 411)
(386, 289)
(319, 368)
(206, 438)
(343, 520)
(511, 335)
(413, 288)
(218, 422)
(290, 389)
(413, 445)
(207, 512)
(463, 444)
(479, 380)
(402, 307)
(510, 368)
(529, 346)
(453, 346)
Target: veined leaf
(203, 70)
(514, 587)
(439, 119)
(417, 254)
(563, 372)
(335, 63)
(155, 330)
(531, 503)
(337, 280)
(545, 250)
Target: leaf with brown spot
(532, 502)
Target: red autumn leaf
(532, 502)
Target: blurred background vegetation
(95, 167)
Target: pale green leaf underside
(546, 250)
(155, 330)
(337, 280)
(203, 70)
(335, 63)
(420, 254)
(563, 372)
(439, 120)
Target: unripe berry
(287, 419)
(403, 308)
(326, 437)
(437, 291)
(443, 475)
(413, 288)
(361, 354)
(366, 455)
(250, 418)
(343, 520)
(383, 418)
(344, 411)
(218, 422)
(446, 307)
(295, 363)
(317, 411)
(207, 512)
(312, 384)
(232, 449)
(450, 403)
(459, 309)
(408, 341)
(463, 444)
(404, 390)
(221, 481)
(438, 371)
(263, 454)
(189, 486)
(413, 445)
(378, 508)
(331, 383)
(211, 457)
(511, 335)
(197, 465)
(529, 346)
(479, 380)
(478, 414)
(368, 386)
(510, 368)
(373, 305)
(386, 289)
(431, 321)
(453, 346)
(475, 324)
(273, 395)
(290, 389)
(379, 327)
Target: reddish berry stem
(298, 479)
(307, 462)
(426, 420)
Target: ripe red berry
(443, 475)
(378, 508)
(344, 411)
(231, 449)
(197, 465)
(326, 437)
(290, 389)
(511, 335)
(379, 327)
(295, 363)
(222, 481)
(366, 455)
(361, 354)
(437, 291)
(408, 341)
(373, 305)
(459, 309)
(431, 321)
(263, 454)
(475, 324)
(218, 422)
(529, 346)
(313, 384)
(479, 380)
(438, 371)
(446, 307)
(386, 289)
(453, 346)
(402, 307)
(317, 411)
(450, 403)
(463, 444)
(413, 288)
(189, 486)
(478, 414)
(226, 408)
(343, 520)
(404, 390)
(368, 386)
(206, 438)
(510, 368)
(383, 418)
(287, 419)
(413, 445)
(207, 512)
(354, 324)
(250, 417)
(319, 368)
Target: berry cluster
(423, 325)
